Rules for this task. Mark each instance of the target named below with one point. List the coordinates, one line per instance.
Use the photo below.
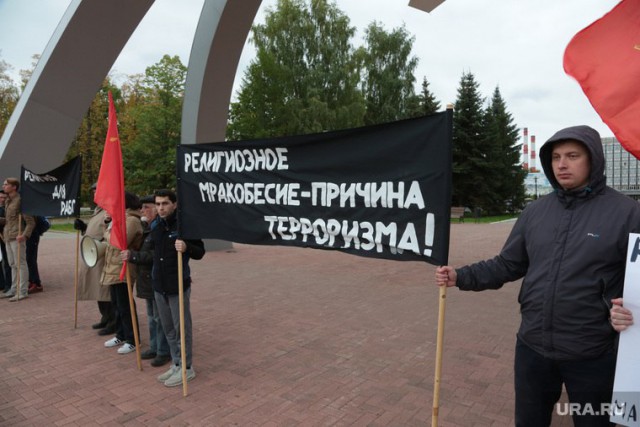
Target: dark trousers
(538, 384)
(107, 314)
(124, 325)
(5, 269)
(32, 258)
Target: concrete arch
(82, 50)
(79, 55)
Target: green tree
(90, 137)
(387, 74)
(470, 163)
(424, 103)
(304, 77)
(507, 176)
(8, 95)
(153, 124)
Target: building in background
(621, 168)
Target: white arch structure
(82, 50)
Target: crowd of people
(151, 257)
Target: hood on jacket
(590, 138)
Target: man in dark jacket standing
(570, 247)
(166, 247)
(158, 344)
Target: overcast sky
(514, 44)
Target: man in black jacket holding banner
(166, 246)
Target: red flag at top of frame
(605, 60)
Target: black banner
(54, 193)
(380, 191)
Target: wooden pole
(75, 282)
(439, 343)
(183, 352)
(134, 319)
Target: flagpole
(75, 282)
(134, 318)
(442, 300)
(439, 344)
(183, 353)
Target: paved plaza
(282, 337)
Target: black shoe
(160, 360)
(107, 331)
(148, 354)
(98, 325)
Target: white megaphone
(92, 250)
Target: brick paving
(282, 337)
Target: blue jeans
(157, 339)
(538, 383)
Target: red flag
(605, 59)
(110, 188)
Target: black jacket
(165, 256)
(570, 246)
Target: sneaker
(7, 294)
(126, 348)
(161, 360)
(18, 297)
(176, 378)
(173, 369)
(113, 342)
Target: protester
(158, 344)
(17, 229)
(111, 275)
(89, 287)
(5, 269)
(166, 246)
(33, 242)
(570, 247)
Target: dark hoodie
(570, 247)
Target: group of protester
(19, 241)
(151, 256)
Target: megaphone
(92, 250)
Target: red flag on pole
(110, 188)
(605, 59)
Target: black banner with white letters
(380, 191)
(54, 193)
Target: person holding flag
(111, 275)
(571, 248)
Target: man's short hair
(166, 193)
(13, 181)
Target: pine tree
(507, 176)
(470, 162)
(425, 102)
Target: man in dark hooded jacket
(570, 247)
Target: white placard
(626, 388)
